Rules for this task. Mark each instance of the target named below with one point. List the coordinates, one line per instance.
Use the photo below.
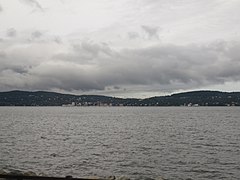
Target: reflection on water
(172, 142)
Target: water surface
(172, 142)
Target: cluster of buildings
(90, 104)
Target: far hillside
(193, 98)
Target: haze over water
(171, 142)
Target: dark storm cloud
(192, 66)
(65, 76)
(152, 32)
(91, 66)
(11, 32)
(33, 3)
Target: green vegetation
(194, 98)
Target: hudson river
(171, 142)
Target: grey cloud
(116, 87)
(1, 9)
(36, 34)
(8, 64)
(11, 32)
(86, 53)
(57, 40)
(67, 76)
(152, 32)
(2, 54)
(133, 35)
(90, 66)
(191, 66)
(95, 49)
(16, 69)
(33, 3)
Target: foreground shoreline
(20, 175)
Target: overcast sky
(124, 48)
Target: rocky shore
(31, 173)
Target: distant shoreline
(189, 99)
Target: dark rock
(2, 172)
(111, 178)
(68, 177)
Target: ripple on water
(173, 142)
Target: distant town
(90, 104)
(193, 98)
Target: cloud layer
(119, 47)
(89, 66)
(33, 3)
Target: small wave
(204, 171)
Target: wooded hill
(193, 98)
